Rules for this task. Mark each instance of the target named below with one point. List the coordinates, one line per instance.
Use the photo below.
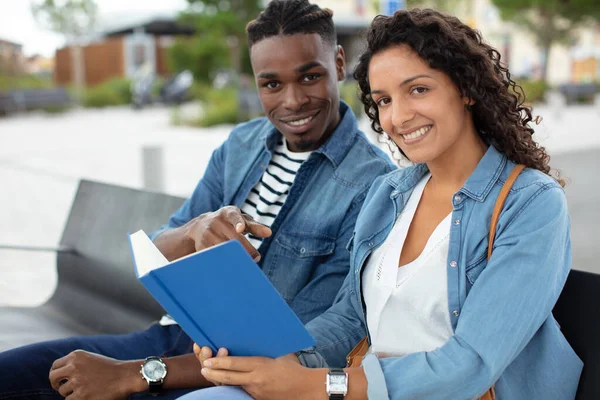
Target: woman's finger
(231, 378)
(238, 364)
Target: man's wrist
(132, 381)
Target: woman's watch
(154, 371)
(337, 384)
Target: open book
(221, 298)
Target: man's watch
(154, 371)
(337, 384)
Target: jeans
(218, 393)
(25, 369)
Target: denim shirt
(500, 310)
(306, 257)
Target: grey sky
(17, 24)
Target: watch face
(154, 370)
(337, 384)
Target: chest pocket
(475, 268)
(297, 256)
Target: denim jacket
(500, 310)
(306, 257)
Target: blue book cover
(221, 298)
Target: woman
(443, 321)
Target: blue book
(221, 298)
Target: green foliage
(220, 40)
(111, 93)
(350, 94)
(221, 108)
(8, 82)
(535, 91)
(202, 55)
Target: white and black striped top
(266, 198)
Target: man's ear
(340, 63)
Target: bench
(574, 93)
(97, 291)
(33, 99)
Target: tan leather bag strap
(500, 204)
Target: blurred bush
(350, 94)
(114, 92)
(219, 106)
(535, 91)
(8, 82)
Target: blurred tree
(441, 5)
(74, 19)
(550, 21)
(220, 40)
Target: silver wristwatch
(154, 371)
(337, 384)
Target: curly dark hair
(459, 51)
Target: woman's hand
(204, 353)
(266, 378)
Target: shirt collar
(339, 143)
(478, 185)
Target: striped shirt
(266, 198)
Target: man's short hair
(290, 17)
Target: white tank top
(407, 307)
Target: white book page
(146, 255)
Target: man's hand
(225, 224)
(85, 375)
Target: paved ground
(42, 158)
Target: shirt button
(457, 198)
(394, 193)
(371, 244)
(262, 166)
(455, 313)
(453, 264)
(457, 222)
(303, 250)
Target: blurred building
(586, 57)
(121, 48)
(39, 65)
(11, 57)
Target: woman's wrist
(316, 388)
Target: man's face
(297, 78)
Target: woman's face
(420, 108)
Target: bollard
(557, 102)
(153, 168)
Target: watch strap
(336, 371)
(155, 388)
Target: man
(288, 187)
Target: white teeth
(301, 122)
(417, 133)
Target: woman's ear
(468, 101)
